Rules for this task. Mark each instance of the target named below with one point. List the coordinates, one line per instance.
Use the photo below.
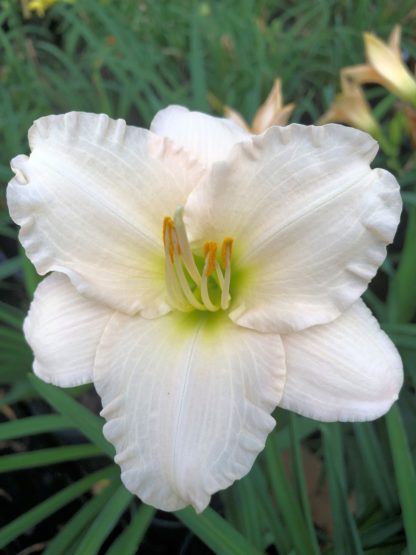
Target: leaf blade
(215, 532)
(89, 424)
(32, 517)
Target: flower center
(195, 280)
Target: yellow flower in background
(385, 67)
(351, 107)
(39, 6)
(271, 112)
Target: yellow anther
(226, 249)
(210, 253)
(168, 230)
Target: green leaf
(10, 463)
(15, 355)
(346, 536)
(267, 526)
(9, 267)
(129, 540)
(196, 63)
(247, 505)
(405, 473)
(31, 277)
(33, 425)
(402, 293)
(373, 457)
(382, 107)
(83, 419)
(403, 335)
(215, 532)
(104, 522)
(409, 197)
(284, 496)
(300, 480)
(305, 426)
(39, 513)
(20, 390)
(270, 515)
(72, 530)
(12, 316)
(381, 531)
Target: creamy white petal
(187, 399)
(347, 370)
(309, 218)
(91, 201)
(207, 138)
(63, 329)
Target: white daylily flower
(201, 277)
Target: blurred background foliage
(332, 488)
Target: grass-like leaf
(405, 473)
(19, 391)
(299, 475)
(31, 277)
(216, 532)
(268, 521)
(54, 455)
(33, 425)
(9, 267)
(104, 522)
(284, 496)
(11, 316)
(89, 424)
(402, 293)
(196, 63)
(74, 528)
(129, 540)
(26, 521)
(346, 536)
(373, 457)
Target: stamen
(226, 250)
(210, 252)
(168, 226)
(174, 291)
(219, 275)
(186, 252)
(190, 297)
(186, 288)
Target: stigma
(197, 280)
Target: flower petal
(310, 222)
(236, 117)
(272, 111)
(187, 399)
(351, 107)
(347, 370)
(387, 62)
(207, 138)
(91, 201)
(395, 39)
(361, 74)
(63, 329)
